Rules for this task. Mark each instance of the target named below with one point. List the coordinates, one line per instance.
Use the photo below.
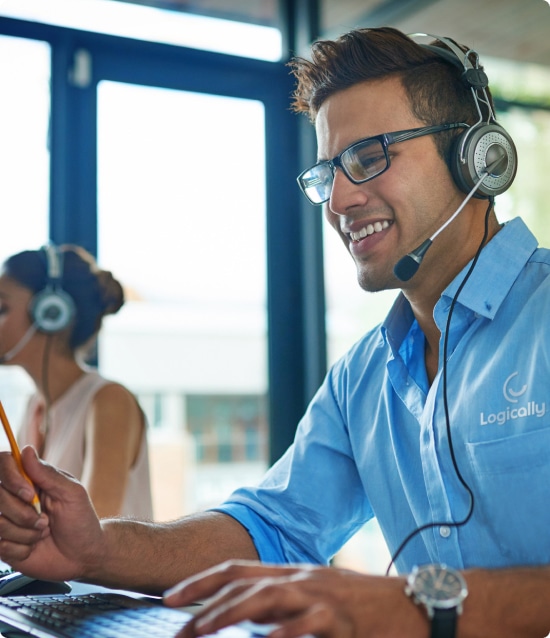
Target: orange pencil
(17, 455)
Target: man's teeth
(369, 230)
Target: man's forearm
(507, 603)
(151, 557)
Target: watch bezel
(455, 600)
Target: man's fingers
(42, 474)
(17, 512)
(13, 553)
(211, 581)
(12, 479)
(266, 600)
(319, 619)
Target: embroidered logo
(509, 393)
(512, 391)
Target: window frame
(293, 373)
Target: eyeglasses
(361, 161)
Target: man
(436, 423)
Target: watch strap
(444, 623)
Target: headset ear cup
(52, 310)
(474, 150)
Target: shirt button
(444, 531)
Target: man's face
(400, 208)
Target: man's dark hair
(433, 85)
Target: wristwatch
(441, 590)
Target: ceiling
(510, 29)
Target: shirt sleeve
(312, 500)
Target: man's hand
(61, 543)
(300, 600)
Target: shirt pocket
(511, 485)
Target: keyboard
(103, 615)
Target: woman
(52, 303)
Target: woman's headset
(52, 309)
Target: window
(24, 152)
(24, 167)
(236, 36)
(227, 428)
(181, 223)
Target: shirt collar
(397, 323)
(498, 266)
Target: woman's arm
(115, 428)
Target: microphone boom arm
(407, 266)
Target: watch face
(438, 586)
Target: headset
(483, 164)
(486, 141)
(52, 309)
(483, 159)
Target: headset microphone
(407, 266)
(8, 356)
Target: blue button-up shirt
(374, 439)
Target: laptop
(102, 614)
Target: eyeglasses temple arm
(393, 138)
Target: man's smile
(369, 229)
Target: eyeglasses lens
(317, 183)
(360, 162)
(364, 160)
